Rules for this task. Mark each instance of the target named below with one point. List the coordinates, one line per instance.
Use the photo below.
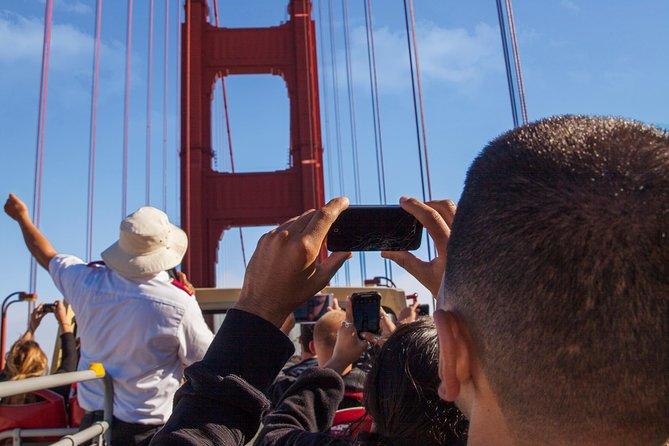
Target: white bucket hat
(148, 244)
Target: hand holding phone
(49, 308)
(366, 308)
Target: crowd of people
(551, 320)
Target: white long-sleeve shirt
(144, 332)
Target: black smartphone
(49, 308)
(423, 310)
(313, 309)
(375, 228)
(172, 272)
(366, 307)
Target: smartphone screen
(313, 309)
(375, 228)
(366, 308)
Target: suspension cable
(374, 91)
(166, 34)
(41, 120)
(353, 127)
(326, 100)
(126, 110)
(415, 113)
(177, 109)
(421, 108)
(224, 92)
(186, 220)
(335, 93)
(516, 58)
(93, 123)
(507, 63)
(149, 84)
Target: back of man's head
(325, 334)
(557, 263)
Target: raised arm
(38, 245)
(222, 401)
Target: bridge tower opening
(211, 201)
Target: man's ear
(312, 347)
(454, 354)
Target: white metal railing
(72, 437)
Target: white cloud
(447, 55)
(71, 52)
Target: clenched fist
(16, 208)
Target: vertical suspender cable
(507, 63)
(353, 126)
(516, 59)
(91, 144)
(326, 109)
(335, 93)
(228, 129)
(185, 153)
(374, 91)
(149, 85)
(326, 100)
(419, 84)
(415, 114)
(166, 35)
(177, 110)
(126, 110)
(41, 120)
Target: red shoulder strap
(179, 284)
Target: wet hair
(558, 264)
(24, 360)
(401, 392)
(306, 336)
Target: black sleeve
(68, 362)
(305, 413)
(69, 359)
(222, 401)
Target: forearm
(306, 411)
(222, 400)
(38, 245)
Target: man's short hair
(306, 336)
(325, 330)
(558, 263)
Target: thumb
(405, 259)
(327, 268)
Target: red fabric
(49, 413)
(358, 396)
(351, 422)
(182, 286)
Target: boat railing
(71, 436)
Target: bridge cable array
(353, 127)
(517, 90)
(421, 145)
(335, 93)
(376, 116)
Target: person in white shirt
(144, 326)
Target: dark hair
(306, 336)
(401, 392)
(558, 264)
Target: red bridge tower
(212, 202)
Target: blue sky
(591, 57)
